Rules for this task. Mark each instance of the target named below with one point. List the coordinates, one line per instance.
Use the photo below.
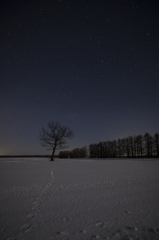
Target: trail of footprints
(36, 207)
(125, 233)
(134, 233)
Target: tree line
(132, 146)
(75, 153)
(55, 137)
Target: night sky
(91, 65)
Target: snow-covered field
(79, 199)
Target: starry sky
(92, 65)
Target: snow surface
(79, 199)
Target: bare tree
(119, 147)
(139, 143)
(156, 144)
(148, 144)
(55, 137)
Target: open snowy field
(79, 199)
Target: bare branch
(55, 136)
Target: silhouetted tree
(100, 150)
(54, 137)
(110, 149)
(156, 144)
(83, 152)
(91, 150)
(105, 149)
(139, 144)
(148, 144)
(75, 153)
(127, 147)
(119, 147)
(64, 154)
(114, 148)
(131, 139)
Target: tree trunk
(52, 156)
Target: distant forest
(131, 147)
(75, 153)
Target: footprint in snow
(36, 208)
(101, 224)
(95, 237)
(129, 232)
(30, 216)
(151, 230)
(83, 231)
(26, 227)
